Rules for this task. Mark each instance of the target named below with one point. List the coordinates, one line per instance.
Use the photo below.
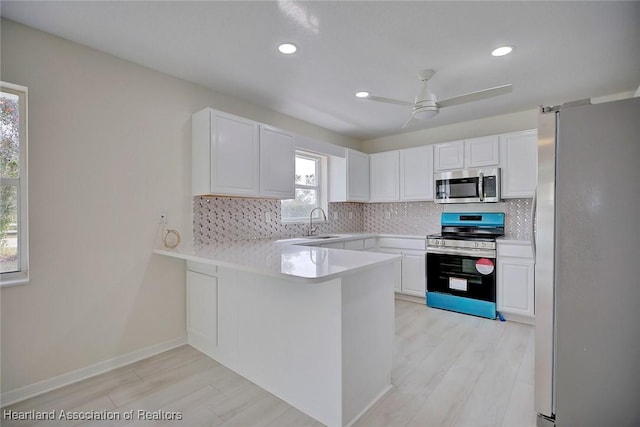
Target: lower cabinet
(413, 271)
(411, 277)
(202, 294)
(515, 282)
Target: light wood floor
(449, 370)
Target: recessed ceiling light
(287, 48)
(362, 94)
(502, 51)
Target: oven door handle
(478, 253)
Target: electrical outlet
(267, 217)
(350, 215)
(163, 217)
(335, 215)
(387, 215)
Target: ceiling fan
(426, 105)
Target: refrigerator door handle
(534, 202)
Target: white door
(414, 273)
(416, 173)
(385, 176)
(234, 155)
(202, 293)
(484, 151)
(448, 156)
(357, 176)
(519, 162)
(277, 163)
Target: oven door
(462, 281)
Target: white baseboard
(13, 396)
(410, 298)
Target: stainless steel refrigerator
(587, 248)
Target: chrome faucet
(313, 229)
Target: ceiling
(563, 51)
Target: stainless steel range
(461, 263)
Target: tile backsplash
(219, 219)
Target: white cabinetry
(469, 153)
(413, 269)
(519, 163)
(515, 281)
(416, 173)
(229, 158)
(349, 177)
(414, 272)
(385, 176)
(448, 156)
(479, 152)
(202, 293)
(277, 163)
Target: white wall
(512, 122)
(482, 127)
(109, 148)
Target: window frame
(21, 276)
(321, 188)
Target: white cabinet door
(334, 245)
(225, 154)
(202, 303)
(519, 162)
(448, 156)
(416, 173)
(385, 176)
(235, 152)
(357, 176)
(397, 286)
(484, 151)
(516, 286)
(277, 163)
(354, 245)
(414, 273)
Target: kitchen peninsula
(312, 325)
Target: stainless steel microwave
(468, 186)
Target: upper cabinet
(448, 156)
(349, 177)
(480, 152)
(416, 173)
(277, 163)
(402, 175)
(519, 163)
(235, 156)
(357, 176)
(385, 176)
(468, 153)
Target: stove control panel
(455, 243)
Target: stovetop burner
(468, 230)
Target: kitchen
(97, 293)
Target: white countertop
(286, 257)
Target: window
(310, 186)
(13, 185)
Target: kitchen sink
(319, 237)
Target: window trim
(323, 188)
(20, 277)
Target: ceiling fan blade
(407, 122)
(476, 96)
(389, 100)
